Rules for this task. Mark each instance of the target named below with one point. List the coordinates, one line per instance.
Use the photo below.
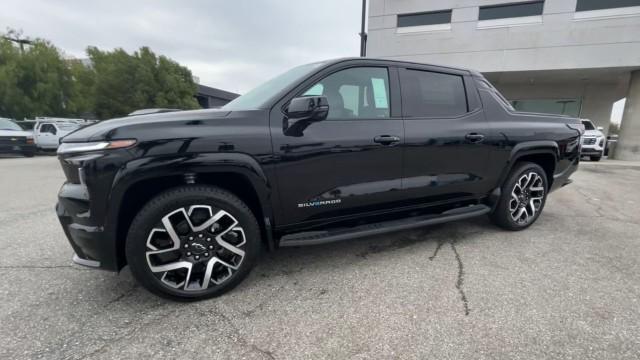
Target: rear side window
(432, 94)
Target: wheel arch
(543, 153)
(141, 180)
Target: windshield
(588, 125)
(258, 97)
(9, 125)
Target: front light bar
(66, 148)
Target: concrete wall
(597, 98)
(559, 41)
(628, 147)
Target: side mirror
(302, 112)
(600, 128)
(309, 108)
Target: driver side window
(355, 93)
(48, 128)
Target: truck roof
(402, 62)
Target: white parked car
(47, 134)
(15, 140)
(593, 141)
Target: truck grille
(13, 140)
(589, 141)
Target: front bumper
(592, 151)
(84, 203)
(92, 245)
(18, 148)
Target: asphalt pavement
(568, 287)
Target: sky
(617, 111)
(233, 45)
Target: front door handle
(386, 139)
(474, 137)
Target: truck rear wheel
(192, 243)
(523, 197)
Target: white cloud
(232, 45)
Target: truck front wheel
(522, 198)
(192, 243)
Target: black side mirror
(302, 111)
(309, 108)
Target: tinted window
(356, 93)
(586, 5)
(511, 10)
(431, 94)
(428, 18)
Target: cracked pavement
(566, 288)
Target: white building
(575, 57)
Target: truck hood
(104, 129)
(593, 133)
(16, 133)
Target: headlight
(66, 148)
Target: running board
(322, 237)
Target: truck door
(349, 163)
(445, 154)
(47, 136)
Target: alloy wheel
(194, 248)
(526, 198)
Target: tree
(124, 83)
(33, 82)
(82, 98)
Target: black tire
(27, 154)
(595, 158)
(148, 224)
(502, 214)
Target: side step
(322, 237)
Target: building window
(422, 19)
(588, 5)
(492, 12)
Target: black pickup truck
(324, 152)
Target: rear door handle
(474, 137)
(386, 139)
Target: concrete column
(628, 147)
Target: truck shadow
(290, 265)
